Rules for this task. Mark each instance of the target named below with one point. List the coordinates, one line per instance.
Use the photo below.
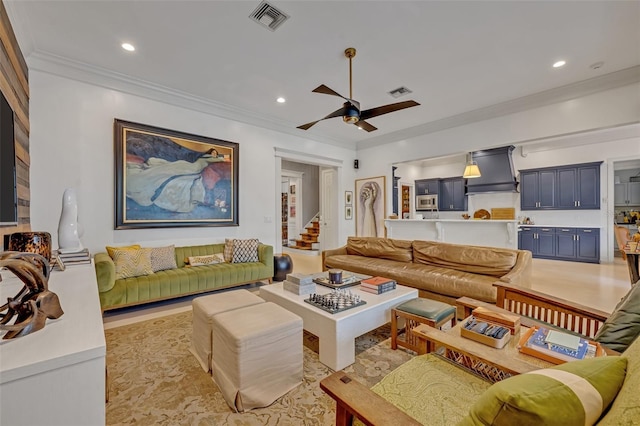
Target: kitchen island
(490, 233)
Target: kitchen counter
(477, 232)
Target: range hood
(496, 167)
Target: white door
(328, 208)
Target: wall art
(166, 178)
(370, 207)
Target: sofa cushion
(623, 325)
(574, 393)
(111, 249)
(163, 258)
(245, 251)
(625, 407)
(431, 390)
(383, 248)
(495, 262)
(132, 263)
(210, 259)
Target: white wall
(71, 145)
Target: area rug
(155, 380)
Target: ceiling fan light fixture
(471, 170)
(350, 119)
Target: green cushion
(431, 390)
(623, 325)
(574, 393)
(427, 308)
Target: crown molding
(83, 72)
(559, 94)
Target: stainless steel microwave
(427, 202)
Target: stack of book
(299, 284)
(377, 285)
(76, 258)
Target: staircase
(309, 239)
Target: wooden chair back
(622, 237)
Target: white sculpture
(68, 228)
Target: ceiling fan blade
(365, 126)
(328, 91)
(336, 113)
(374, 112)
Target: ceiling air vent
(269, 16)
(400, 91)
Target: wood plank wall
(14, 84)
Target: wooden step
(310, 238)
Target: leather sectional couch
(181, 281)
(439, 271)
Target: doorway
(326, 184)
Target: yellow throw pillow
(132, 263)
(110, 249)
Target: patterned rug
(155, 380)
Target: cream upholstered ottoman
(257, 354)
(204, 308)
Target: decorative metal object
(34, 303)
(31, 242)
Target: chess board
(336, 301)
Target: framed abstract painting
(370, 206)
(166, 178)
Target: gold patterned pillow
(110, 249)
(132, 263)
(209, 259)
(228, 250)
(163, 258)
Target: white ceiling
(456, 56)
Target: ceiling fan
(350, 111)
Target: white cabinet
(56, 376)
(627, 194)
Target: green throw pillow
(574, 393)
(623, 325)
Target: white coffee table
(337, 332)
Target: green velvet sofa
(182, 281)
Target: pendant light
(471, 170)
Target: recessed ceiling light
(281, 100)
(559, 64)
(128, 47)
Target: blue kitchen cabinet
(537, 189)
(452, 195)
(561, 243)
(579, 187)
(571, 187)
(566, 243)
(588, 240)
(538, 240)
(427, 186)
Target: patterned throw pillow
(245, 251)
(110, 249)
(574, 393)
(163, 258)
(132, 263)
(209, 259)
(228, 250)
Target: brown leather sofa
(439, 271)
